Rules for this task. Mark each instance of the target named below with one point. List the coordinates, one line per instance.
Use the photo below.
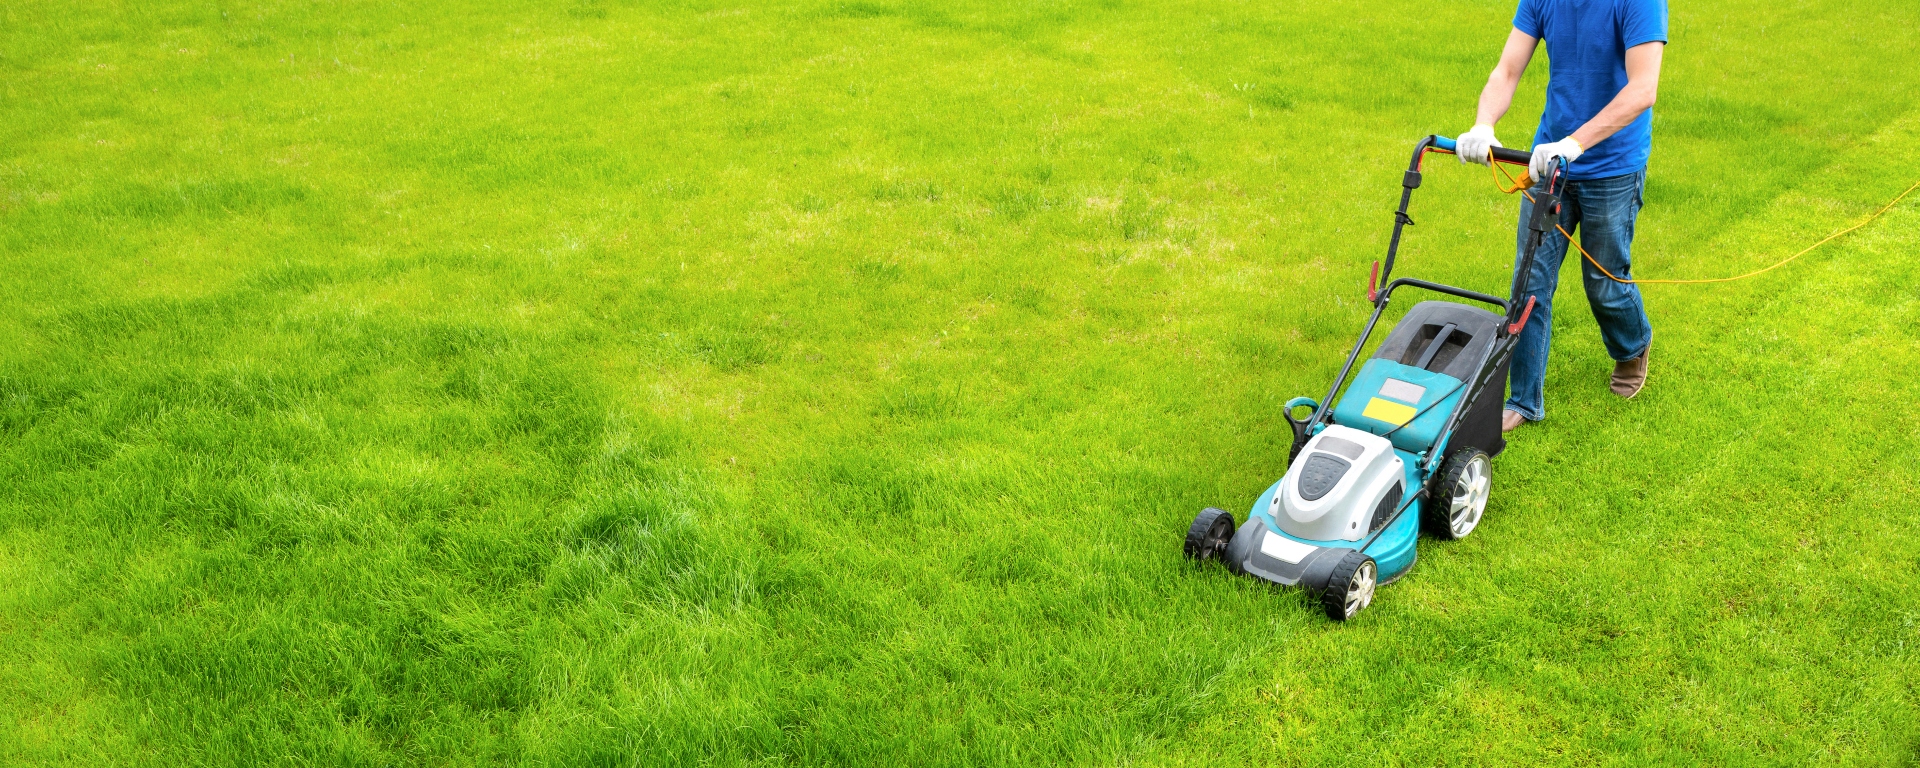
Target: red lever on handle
(1372, 281)
(1524, 314)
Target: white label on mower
(1403, 391)
(1276, 545)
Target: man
(1603, 74)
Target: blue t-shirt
(1587, 42)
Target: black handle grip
(1520, 156)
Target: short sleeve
(1641, 22)
(1527, 19)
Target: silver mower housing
(1344, 485)
(1337, 486)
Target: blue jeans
(1601, 212)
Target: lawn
(831, 383)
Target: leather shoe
(1511, 420)
(1631, 375)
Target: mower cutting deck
(1417, 428)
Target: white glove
(1543, 155)
(1476, 146)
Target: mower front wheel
(1350, 590)
(1209, 534)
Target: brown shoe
(1630, 376)
(1511, 420)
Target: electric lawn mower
(1415, 432)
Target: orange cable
(1523, 183)
(1526, 182)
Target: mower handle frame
(1546, 210)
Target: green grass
(831, 383)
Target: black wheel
(1209, 534)
(1350, 590)
(1459, 494)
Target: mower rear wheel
(1454, 507)
(1350, 590)
(1209, 534)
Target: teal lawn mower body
(1407, 446)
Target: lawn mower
(1407, 446)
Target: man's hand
(1544, 154)
(1476, 146)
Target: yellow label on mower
(1389, 411)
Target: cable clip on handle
(1373, 281)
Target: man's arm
(1475, 145)
(1643, 85)
(1505, 79)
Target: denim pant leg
(1602, 212)
(1608, 209)
(1528, 376)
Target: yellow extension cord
(1525, 182)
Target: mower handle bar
(1447, 289)
(1502, 154)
